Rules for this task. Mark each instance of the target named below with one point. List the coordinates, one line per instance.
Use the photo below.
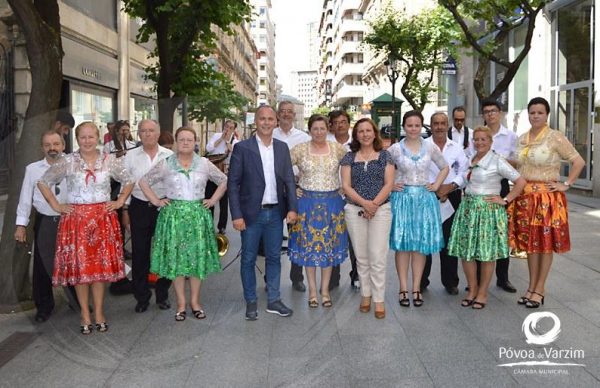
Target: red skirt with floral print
(538, 220)
(89, 247)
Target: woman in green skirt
(480, 227)
(184, 243)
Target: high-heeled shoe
(524, 299)
(365, 305)
(102, 327)
(418, 300)
(534, 304)
(379, 313)
(86, 329)
(404, 301)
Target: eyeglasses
(339, 122)
(286, 111)
(490, 111)
(459, 120)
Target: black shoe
(424, 284)
(507, 286)
(41, 317)
(140, 307)
(164, 305)
(452, 290)
(278, 308)
(299, 286)
(355, 285)
(251, 311)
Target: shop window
(92, 104)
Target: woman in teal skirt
(184, 242)
(480, 227)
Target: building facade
(303, 84)
(262, 29)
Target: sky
(290, 18)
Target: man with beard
(46, 223)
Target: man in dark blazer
(262, 192)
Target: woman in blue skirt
(416, 221)
(318, 238)
(184, 243)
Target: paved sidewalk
(441, 344)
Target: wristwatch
(567, 184)
(506, 201)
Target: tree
(184, 39)
(420, 44)
(216, 101)
(40, 23)
(486, 27)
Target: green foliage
(419, 43)
(321, 110)
(486, 26)
(184, 39)
(217, 101)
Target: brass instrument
(222, 244)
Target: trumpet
(222, 244)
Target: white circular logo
(531, 332)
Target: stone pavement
(441, 344)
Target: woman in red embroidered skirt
(538, 219)
(89, 247)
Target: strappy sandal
(366, 307)
(477, 305)
(418, 301)
(326, 301)
(534, 304)
(180, 316)
(467, 302)
(86, 329)
(199, 314)
(102, 327)
(524, 299)
(404, 301)
(313, 303)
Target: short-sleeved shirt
(413, 169)
(367, 178)
(539, 159)
(484, 177)
(318, 172)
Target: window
(102, 11)
(263, 25)
(92, 104)
(263, 10)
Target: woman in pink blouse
(89, 246)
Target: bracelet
(566, 183)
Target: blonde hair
(485, 130)
(88, 124)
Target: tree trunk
(44, 51)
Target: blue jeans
(268, 227)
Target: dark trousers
(143, 216)
(211, 187)
(448, 263)
(45, 229)
(335, 272)
(501, 264)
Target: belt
(268, 205)
(53, 218)
(147, 203)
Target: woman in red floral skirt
(89, 246)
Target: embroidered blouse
(484, 177)
(539, 159)
(367, 178)
(318, 172)
(87, 184)
(413, 169)
(182, 184)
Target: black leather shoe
(251, 311)
(507, 286)
(299, 286)
(41, 317)
(164, 305)
(140, 307)
(452, 290)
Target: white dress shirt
(267, 156)
(458, 136)
(292, 138)
(138, 163)
(504, 144)
(31, 195)
(222, 147)
(331, 137)
(457, 161)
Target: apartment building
(262, 29)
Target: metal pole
(395, 136)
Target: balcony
(347, 92)
(348, 69)
(349, 25)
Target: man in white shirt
(46, 223)
(221, 144)
(459, 132)
(504, 144)
(448, 191)
(292, 137)
(339, 122)
(140, 216)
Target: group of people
(339, 194)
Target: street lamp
(393, 73)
